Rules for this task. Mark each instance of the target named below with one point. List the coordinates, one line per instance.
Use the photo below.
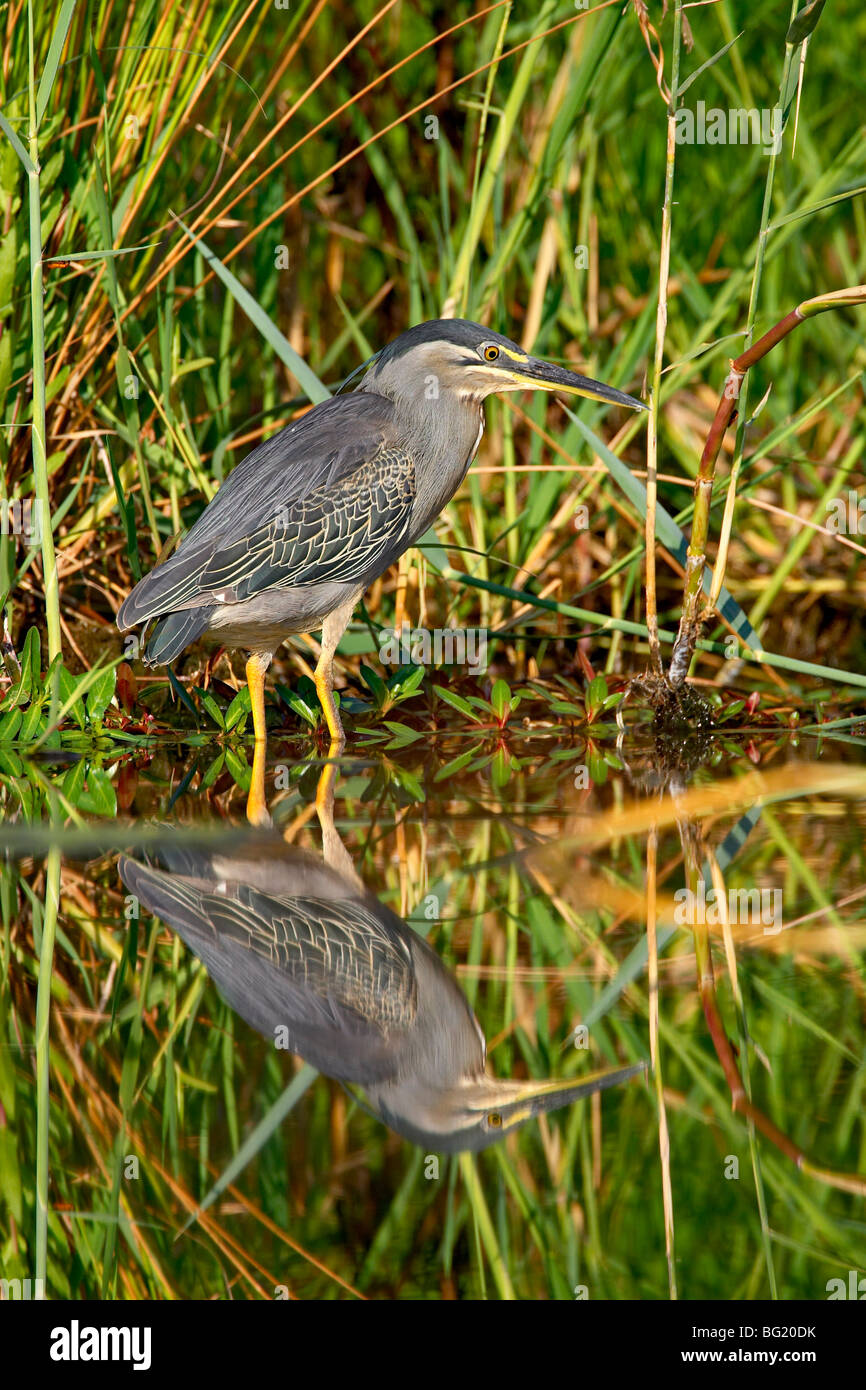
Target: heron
(311, 517)
(315, 962)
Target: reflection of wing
(328, 498)
(336, 973)
(338, 951)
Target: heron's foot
(325, 692)
(257, 812)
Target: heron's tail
(174, 632)
(167, 589)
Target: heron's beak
(523, 1101)
(532, 374)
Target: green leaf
(101, 255)
(406, 681)
(31, 664)
(403, 734)
(31, 723)
(9, 726)
(78, 688)
(213, 771)
(456, 764)
(409, 782)
(181, 693)
(811, 208)
(211, 706)
(596, 694)
(101, 692)
(258, 1137)
(597, 768)
(11, 764)
(237, 712)
(8, 258)
(457, 702)
(567, 707)
(804, 22)
(72, 782)
(298, 705)
(67, 685)
(16, 144)
(10, 1173)
(380, 690)
(732, 709)
(500, 699)
(500, 769)
(5, 359)
(52, 62)
(484, 706)
(239, 768)
(127, 512)
(708, 64)
(194, 365)
(99, 797)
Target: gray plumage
(291, 944)
(295, 946)
(314, 515)
(305, 521)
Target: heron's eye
(494, 1120)
(491, 352)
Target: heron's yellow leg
(325, 788)
(324, 676)
(257, 808)
(335, 854)
(323, 806)
(298, 823)
(332, 630)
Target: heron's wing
(328, 498)
(335, 974)
(346, 956)
(338, 533)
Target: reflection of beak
(521, 1101)
(533, 374)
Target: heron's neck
(442, 434)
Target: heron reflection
(308, 956)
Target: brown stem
(690, 623)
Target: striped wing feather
(335, 534)
(329, 498)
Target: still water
(535, 1019)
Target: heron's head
(481, 1110)
(457, 356)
